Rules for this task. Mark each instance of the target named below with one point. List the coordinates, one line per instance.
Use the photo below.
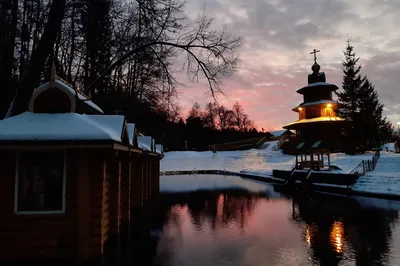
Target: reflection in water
(238, 227)
(337, 236)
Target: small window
(327, 111)
(40, 183)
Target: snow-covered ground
(385, 179)
(262, 160)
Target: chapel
(319, 119)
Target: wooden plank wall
(105, 193)
(35, 236)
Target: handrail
(366, 165)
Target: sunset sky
(279, 36)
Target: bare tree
(242, 121)
(209, 115)
(209, 53)
(139, 44)
(225, 118)
(38, 59)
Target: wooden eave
(122, 147)
(45, 145)
(310, 89)
(300, 125)
(149, 153)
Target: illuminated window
(302, 113)
(327, 111)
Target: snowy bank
(261, 160)
(385, 180)
(188, 183)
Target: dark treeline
(202, 127)
(125, 56)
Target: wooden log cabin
(70, 177)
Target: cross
(315, 54)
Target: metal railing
(366, 165)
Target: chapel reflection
(334, 230)
(337, 236)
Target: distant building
(279, 134)
(318, 115)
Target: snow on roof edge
(56, 127)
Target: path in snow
(384, 179)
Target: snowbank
(186, 183)
(384, 180)
(262, 161)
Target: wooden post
(105, 206)
(125, 188)
(312, 159)
(113, 172)
(84, 207)
(119, 193)
(129, 193)
(329, 161)
(322, 159)
(137, 182)
(99, 201)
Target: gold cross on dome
(315, 54)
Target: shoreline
(325, 187)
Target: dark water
(257, 226)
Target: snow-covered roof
(61, 127)
(159, 149)
(316, 119)
(145, 143)
(65, 88)
(314, 103)
(131, 133)
(320, 84)
(318, 102)
(277, 133)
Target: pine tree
(373, 129)
(351, 84)
(348, 97)
(359, 104)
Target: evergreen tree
(348, 98)
(359, 104)
(373, 129)
(351, 84)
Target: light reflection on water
(239, 227)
